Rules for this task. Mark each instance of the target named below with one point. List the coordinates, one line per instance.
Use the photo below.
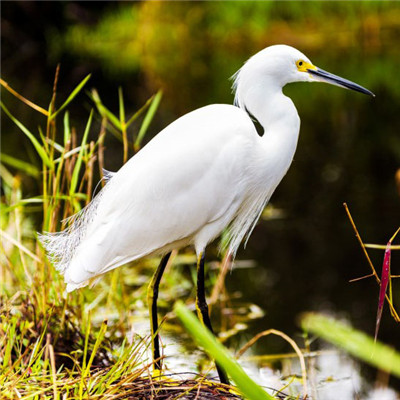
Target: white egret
(207, 171)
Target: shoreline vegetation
(51, 344)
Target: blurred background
(304, 251)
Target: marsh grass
(84, 344)
(49, 346)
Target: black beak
(324, 76)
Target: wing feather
(184, 179)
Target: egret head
(276, 66)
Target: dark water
(349, 147)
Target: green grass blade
(6, 179)
(67, 129)
(96, 346)
(28, 168)
(104, 111)
(77, 168)
(70, 97)
(216, 350)
(121, 106)
(354, 342)
(40, 200)
(138, 113)
(38, 147)
(44, 141)
(23, 202)
(10, 343)
(147, 119)
(123, 125)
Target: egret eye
(302, 65)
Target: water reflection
(331, 374)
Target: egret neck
(278, 116)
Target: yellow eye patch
(303, 66)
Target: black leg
(152, 296)
(202, 309)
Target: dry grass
(54, 346)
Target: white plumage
(206, 171)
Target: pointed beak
(323, 76)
